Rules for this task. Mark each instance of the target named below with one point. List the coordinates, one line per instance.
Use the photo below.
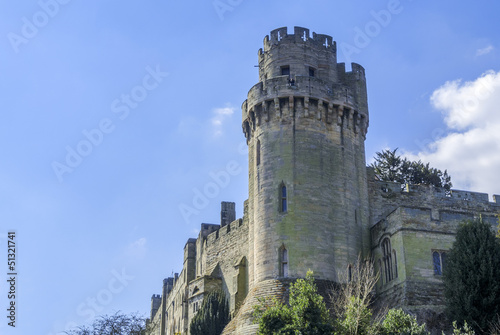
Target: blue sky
(150, 92)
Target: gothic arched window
(438, 259)
(390, 271)
(283, 198)
(283, 261)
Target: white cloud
(220, 115)
(485, 50)
(470, 148)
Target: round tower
(305, 123)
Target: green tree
(116, 324)
(465, 330)
(213, 315)
(352, 306)
(306, 315)
(389, 166)
(399, 322)
(472, 276)
(352, 300)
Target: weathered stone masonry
(312, 202)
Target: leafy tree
(389, 166)
(275, 318)
(306, 315)
(353, 307)
(353, 300)
(356, 320)
(212, 317)
(472, 275)
(465, 330)
(399, 322)
(311, 316)
(116, 324)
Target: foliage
(498, 227)
(116, 324)
(212, 317)
(353, 300)
(306, 315)
(275, 318)
(357, 319)
(389, 166)
(465, 330)
(472, 275)
(399, 322)
(308, 308)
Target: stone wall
(217, 259)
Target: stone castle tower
(313, 204)
(305, 124)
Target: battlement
(155, 297)
(386, 196)
(392, 189)
(300, 35)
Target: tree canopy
(115, 324)
(472, 276)
(307, 313)
(389, 166)
(213, 315)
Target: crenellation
(312, 202)
(496, 199)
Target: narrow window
(283, 199)
(349, 273)
(311, 72)
(285, 70)
(380, 271)
(395, 261)
(284, 262)
(387, 259)
(257, 153)
(439, 261)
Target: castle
(313, 203)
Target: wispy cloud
(137, 249)
(220, 115)
(470, 150)
(485, 50)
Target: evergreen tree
(212, 317)
(398, 322)
(306, 315)
(472, 276)
(389, 166)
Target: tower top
(300, 35)
(297, 55)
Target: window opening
(311, 71)
(439, 261)
(284, 262)
(285, 70)
(387, 259)
(283, 196)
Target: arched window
(257, 153)
(387, 260)
(438, 259)
(283, 198)
(283, 262)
